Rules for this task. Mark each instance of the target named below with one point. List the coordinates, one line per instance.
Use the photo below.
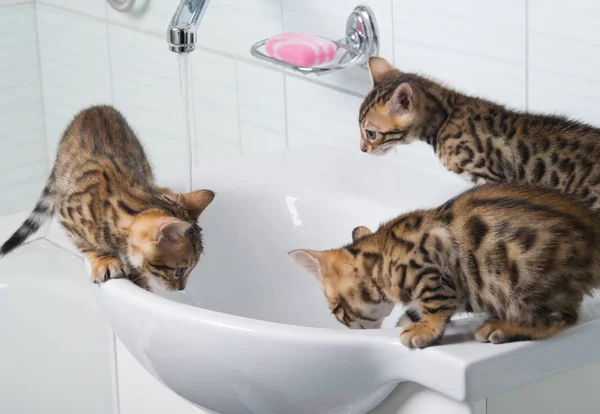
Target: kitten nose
(363, 149)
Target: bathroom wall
(23, 166)
(510, 52)
(94, 54)
(527, 54)
(90, 53)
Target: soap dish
(361, 42)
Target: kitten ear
(360, 232)
(196, 201)
(402, 101)
(169, 235)
(379, 67)
(308, 260)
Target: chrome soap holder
(361, 42)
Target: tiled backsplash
(23, 165)
(74, 63)
(528, 54)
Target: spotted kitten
(103, 192)
(481, 140)
(526, 255)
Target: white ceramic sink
(252, 333)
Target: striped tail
(44, 209)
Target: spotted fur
(103, 192)
(525, 255)
(479, 139)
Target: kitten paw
(418, 335)
(498, 332)
(106, 267)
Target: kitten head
(164, 248)
(389, 113)
(347, 281)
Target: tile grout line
(393, 33)
(112, 343)
(110, 69)
(114, 370)
(527, 55)
(239, 118)
(285, 112)
(285, 95)
(47, 156)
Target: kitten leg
(428, 330)
(104, 267)
(412, 315)
(436, 309)
(498, 332)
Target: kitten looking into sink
(103, 192)
(525, 255)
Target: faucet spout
(183, 29)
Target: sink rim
(135, 295)
(462, 368)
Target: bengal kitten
(103, 192)
(525, 255)
(481, 140)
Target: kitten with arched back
(479, 139)
(525, 255)
(103, 192)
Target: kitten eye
(370, 134)
(180, 271)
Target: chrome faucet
(183, 29)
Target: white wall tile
(318, 115)
(151, 16)
(216, 108)
(564, 70)
(262, 109)
(473, 45)
(233, 26)
(23, 167)
(95, 8)
(75, 67)
(328, 19)
(561, 94)
(146, 91)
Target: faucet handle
(361, 42)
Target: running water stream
(187, 105)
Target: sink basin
(252, 333)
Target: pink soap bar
(301, 49)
